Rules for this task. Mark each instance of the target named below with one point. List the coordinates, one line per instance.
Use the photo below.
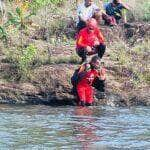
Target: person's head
(91, 24)
(95, 62)
(116, 1)
(88, 2)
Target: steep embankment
(50, 84)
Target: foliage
(3, 34)
(19, 19)
(35, 5)
(21, 61)
(25, 59)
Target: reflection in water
(86, 131)
(74, 128)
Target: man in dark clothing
(114, 12)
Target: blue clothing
(112, 11)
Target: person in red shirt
(84, 86)
(90, 41)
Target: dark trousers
(100, 49)
(117, 18)
(99, 84)
(80, 25)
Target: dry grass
(132, 62)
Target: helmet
(92, 23)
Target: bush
(21, 60)
(25, 60)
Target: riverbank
(54, 89)
(50, 84)
(126, 60)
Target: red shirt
(86, 38)
(89, 77)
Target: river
(88, 128)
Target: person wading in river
(85, 77)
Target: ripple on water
(44, 127)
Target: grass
(59, 23)
(135, 60)
(140, 10)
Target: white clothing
(86, 12)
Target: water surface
(45, 127)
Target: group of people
(90, 41)
(112, 13)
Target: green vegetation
(140, 10)
(35, 29)
(25, 58)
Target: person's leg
(109, 20)
(89, 104)
(82, 53)
(117, 18)
(106, 19)
(100, 50)
(81, 95)
(89, 94)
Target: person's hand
(102, 73)
(89, 49)
(96, 43)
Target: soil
(50, 84)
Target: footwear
(82, 103)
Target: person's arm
(123, 13)
(80, 41)
(100, 36)
(125, 6)
(81, 69)
(102, 73)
